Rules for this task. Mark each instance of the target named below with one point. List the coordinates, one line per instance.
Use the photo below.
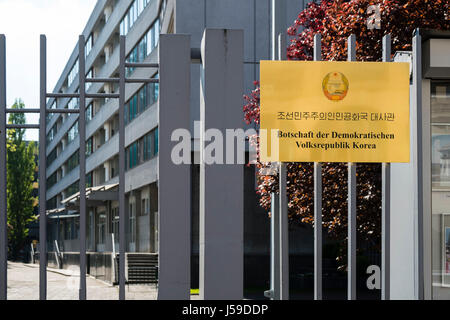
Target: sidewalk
(23, 284)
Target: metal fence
(279, 288)
(43, 111)
(176, 57)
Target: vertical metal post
(275, 247)
(351, 240)
(221, 204)
(278, 45)
(284, 235)
(278, 25)
(283, 214)
(317, 202)
(386, 205)
(42, 171)
(3, 206)
(122, 240)
(82, 136)
(418, 167)
(174, 233)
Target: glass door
(440, 175)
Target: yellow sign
(334, 111)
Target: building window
(156, 141)
(133, 13)
(73, 103)
(145, 46)
(72, 133)
(73, 73)
(52, 157)
(89, 75)
(50, 115)
(52, 180)
(89, 45)
(89, 180)
(101, 228)
(89, 147)
(147, 148)
(52, 203)
(142, 150)
(72, 189)
(89, 112)
(52, 133)
(73, 161)
(133, 152)
(141, 100)
(153, 90)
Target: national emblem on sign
(335, 86)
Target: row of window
(133, 13)
(73, 104)
(142, 150)
(144, 98)
(72, 162)
(76, 67)
(75, 187)
(137, 153)
(141, 100)
(145, 46)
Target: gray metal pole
(283, 214)
(418, 154)
(275, 226)
(3, 206)
(351, 241)
(284, 235)
(386, 206)
(278, 25)
(122, 240)
(317, 202)
(82, 135)
(221, 185)
(275, 247)
(174, 233)
(42, 172)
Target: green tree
(20, 178)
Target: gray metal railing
(43, 111)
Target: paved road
(23, 284)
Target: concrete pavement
(23, 284)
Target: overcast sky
(22, 21)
